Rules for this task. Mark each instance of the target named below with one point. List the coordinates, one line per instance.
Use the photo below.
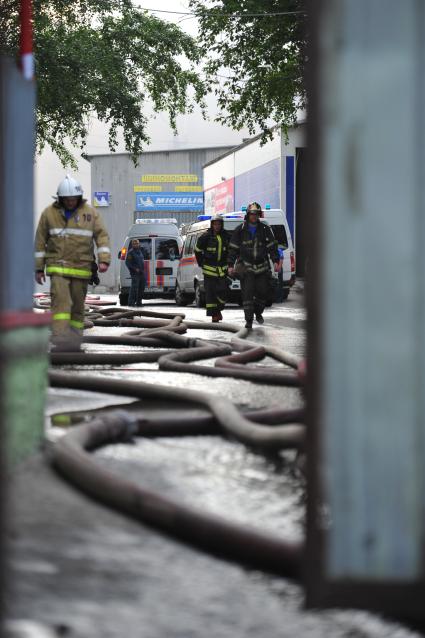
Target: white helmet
(69, 187)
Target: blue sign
(189, 202)
(101, 198)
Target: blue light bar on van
(202, 218)
(161, 220)
(268, 207)
(237, 216)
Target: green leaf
(254, 60)
(104, 59)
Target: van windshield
(166, 248)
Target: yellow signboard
(149, 188)
(186, 189)
(177, 177)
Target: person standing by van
(64, 251)
(251, 245)
(211, 254)
(136, 265)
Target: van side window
(193, 244)
(280, 234)
(188, 245)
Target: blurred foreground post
(23, 334)
(366, 307)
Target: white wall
(254, 154)
(214, 173)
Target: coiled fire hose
(228, 416)
(70, 458)
(207, 531)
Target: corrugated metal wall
(117, 175)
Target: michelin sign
(101, 198)
(189, 202)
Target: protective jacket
(211, 252)
(65, 247)
(135, 262)
(253, 251)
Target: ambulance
(161, 244)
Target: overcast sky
(193, 131)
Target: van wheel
(199, 297)
(180, 297)
(123, 297)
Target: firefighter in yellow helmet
(64, 250)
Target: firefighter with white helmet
(64, 250)
(211, 254)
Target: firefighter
(65, 252)
(211, 254)
(251, 245)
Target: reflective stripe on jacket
(211, 252)
(65, 247)
(253, 252)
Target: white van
(277, 221)
(190, 280)
(161, 244)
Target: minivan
(161, 245)
(190, 279)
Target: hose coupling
(129, 425)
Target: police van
(190, 279)
(160, 243)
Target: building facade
(162, 184)
(269, 174)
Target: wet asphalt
(79, 569)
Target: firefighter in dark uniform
(251, 245)
(211, 254)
